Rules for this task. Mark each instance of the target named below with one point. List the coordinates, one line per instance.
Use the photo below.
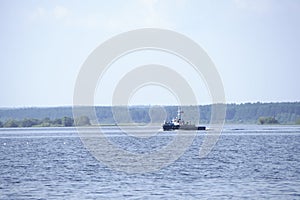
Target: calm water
(248, 162)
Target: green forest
(46, 122)
(249, 113)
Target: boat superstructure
(179, 123)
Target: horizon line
(139, 105)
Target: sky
(254, 44)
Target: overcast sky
(254, 44)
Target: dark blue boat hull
(171, 126)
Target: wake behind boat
(178, 123)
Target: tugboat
(178, 123)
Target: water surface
(248, 162)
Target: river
(248, 162)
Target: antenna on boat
(179, 113)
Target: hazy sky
(254, 44)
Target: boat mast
(179, 113)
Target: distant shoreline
(134, 125)
(245, 113)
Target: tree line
(253, 113)
(267, 120)
(46, 122)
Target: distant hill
(284, 113)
